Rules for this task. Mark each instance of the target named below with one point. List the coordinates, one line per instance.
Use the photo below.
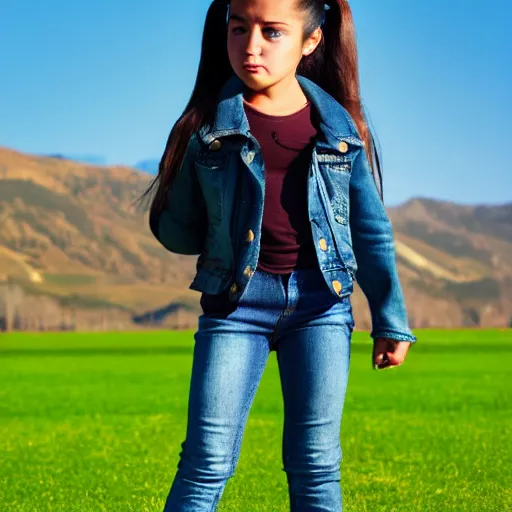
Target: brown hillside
(70, 232)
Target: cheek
(234, 47)
(287, 53)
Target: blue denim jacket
(215, 209)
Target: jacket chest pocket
(212, 174)
(336, 175)
(336, 171)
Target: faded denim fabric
(298, 318)
(215, 209)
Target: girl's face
(265, 40)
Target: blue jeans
(310, 330)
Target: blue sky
(110, 79)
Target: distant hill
(70, 231)
(455, 261)
(85, 159)
(148, 166)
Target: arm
(181, 226)
(374, 250)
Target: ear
(312, 42)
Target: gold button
(323, 244)
(215, 145)
(248, 271)
(250, 157)
(337, 286)
(234, 288)
(250, 236)
(343, 146)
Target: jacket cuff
(399, 336)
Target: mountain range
(72, 233)
(149, 165)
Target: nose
(254, 42)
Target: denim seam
(216, 500)
(273, 336)
(240, 430)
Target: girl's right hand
(389, 353)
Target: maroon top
(286, 145)
(286, 239)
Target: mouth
(252, 68)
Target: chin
(256, 83)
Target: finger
(381, 360)
(380, 347)
(398, 355)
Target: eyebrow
(235, 17)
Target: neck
(285, 97)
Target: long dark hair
(333, 66)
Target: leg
(226, 371)
(313, 355)
(230, 354)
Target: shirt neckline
(273, 116)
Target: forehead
(259, 11)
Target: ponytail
(214, 69)
(334, 67)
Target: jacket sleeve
(374, 250)
(181, 226)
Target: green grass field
(94, 422)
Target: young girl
(271, 177)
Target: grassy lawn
(94, 422)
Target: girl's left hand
(389, 353)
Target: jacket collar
(230, 118)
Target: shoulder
(331, 114)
